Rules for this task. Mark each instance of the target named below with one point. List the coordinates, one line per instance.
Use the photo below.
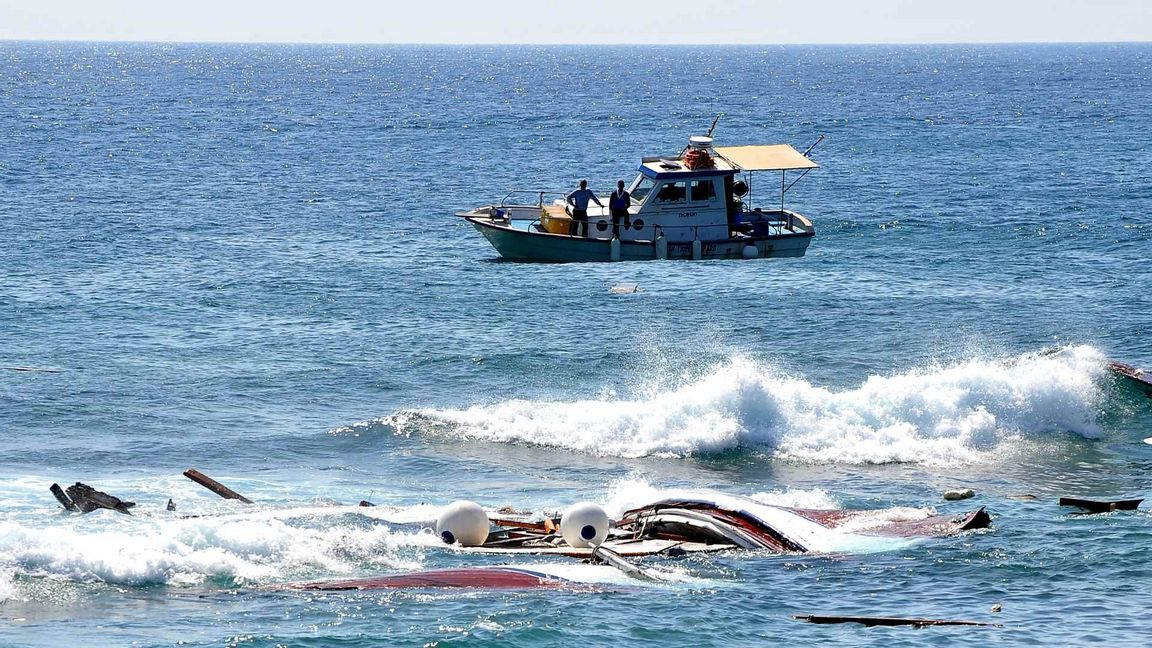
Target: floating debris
(890, 621)
(1138, 378)
(1101, 506)
(959, 494)
(624, 289)
(85, 499)
(214, 486)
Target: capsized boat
(604, 571)
(676, 524)
(695, 522)
(500, 577)
(696, 205)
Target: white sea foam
(108, 547)
(815, 498)
(632, 492)
(7, 586)
(878, 518)
(933, 415)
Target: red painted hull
(476, 578)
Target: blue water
(243, 258)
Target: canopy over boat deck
(765, 157)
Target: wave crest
(933, 415)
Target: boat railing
(792, 222)
(539, 193)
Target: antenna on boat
(713, 126)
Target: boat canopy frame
(769, 157)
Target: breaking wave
(631, 492)
(225, 550)
(932, 415)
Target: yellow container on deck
(554, 219)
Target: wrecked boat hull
(697, 523)
(749, 524)
(467, 577)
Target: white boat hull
(522, 244)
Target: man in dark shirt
(618, 204)
(578, 201)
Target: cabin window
(672, 192)
(703, 190)
(641, 188)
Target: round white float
(584, 524)
(464, 522)
(750, 252)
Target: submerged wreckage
(693, 522)
(689, 522)
(675, 524)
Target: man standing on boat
(618, 204)
(578, 201)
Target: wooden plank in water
(1101, 506)
(214, 486)
(869, 622)
(545, 526)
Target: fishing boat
(695, 205)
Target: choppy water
(242, 258)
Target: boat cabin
(704, 194)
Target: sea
(244, 259)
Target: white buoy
(750, 251)
(463, 522)
(661, 247)
(584, 524)
(697, 250)
(614, 249)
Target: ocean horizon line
(571, 44)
